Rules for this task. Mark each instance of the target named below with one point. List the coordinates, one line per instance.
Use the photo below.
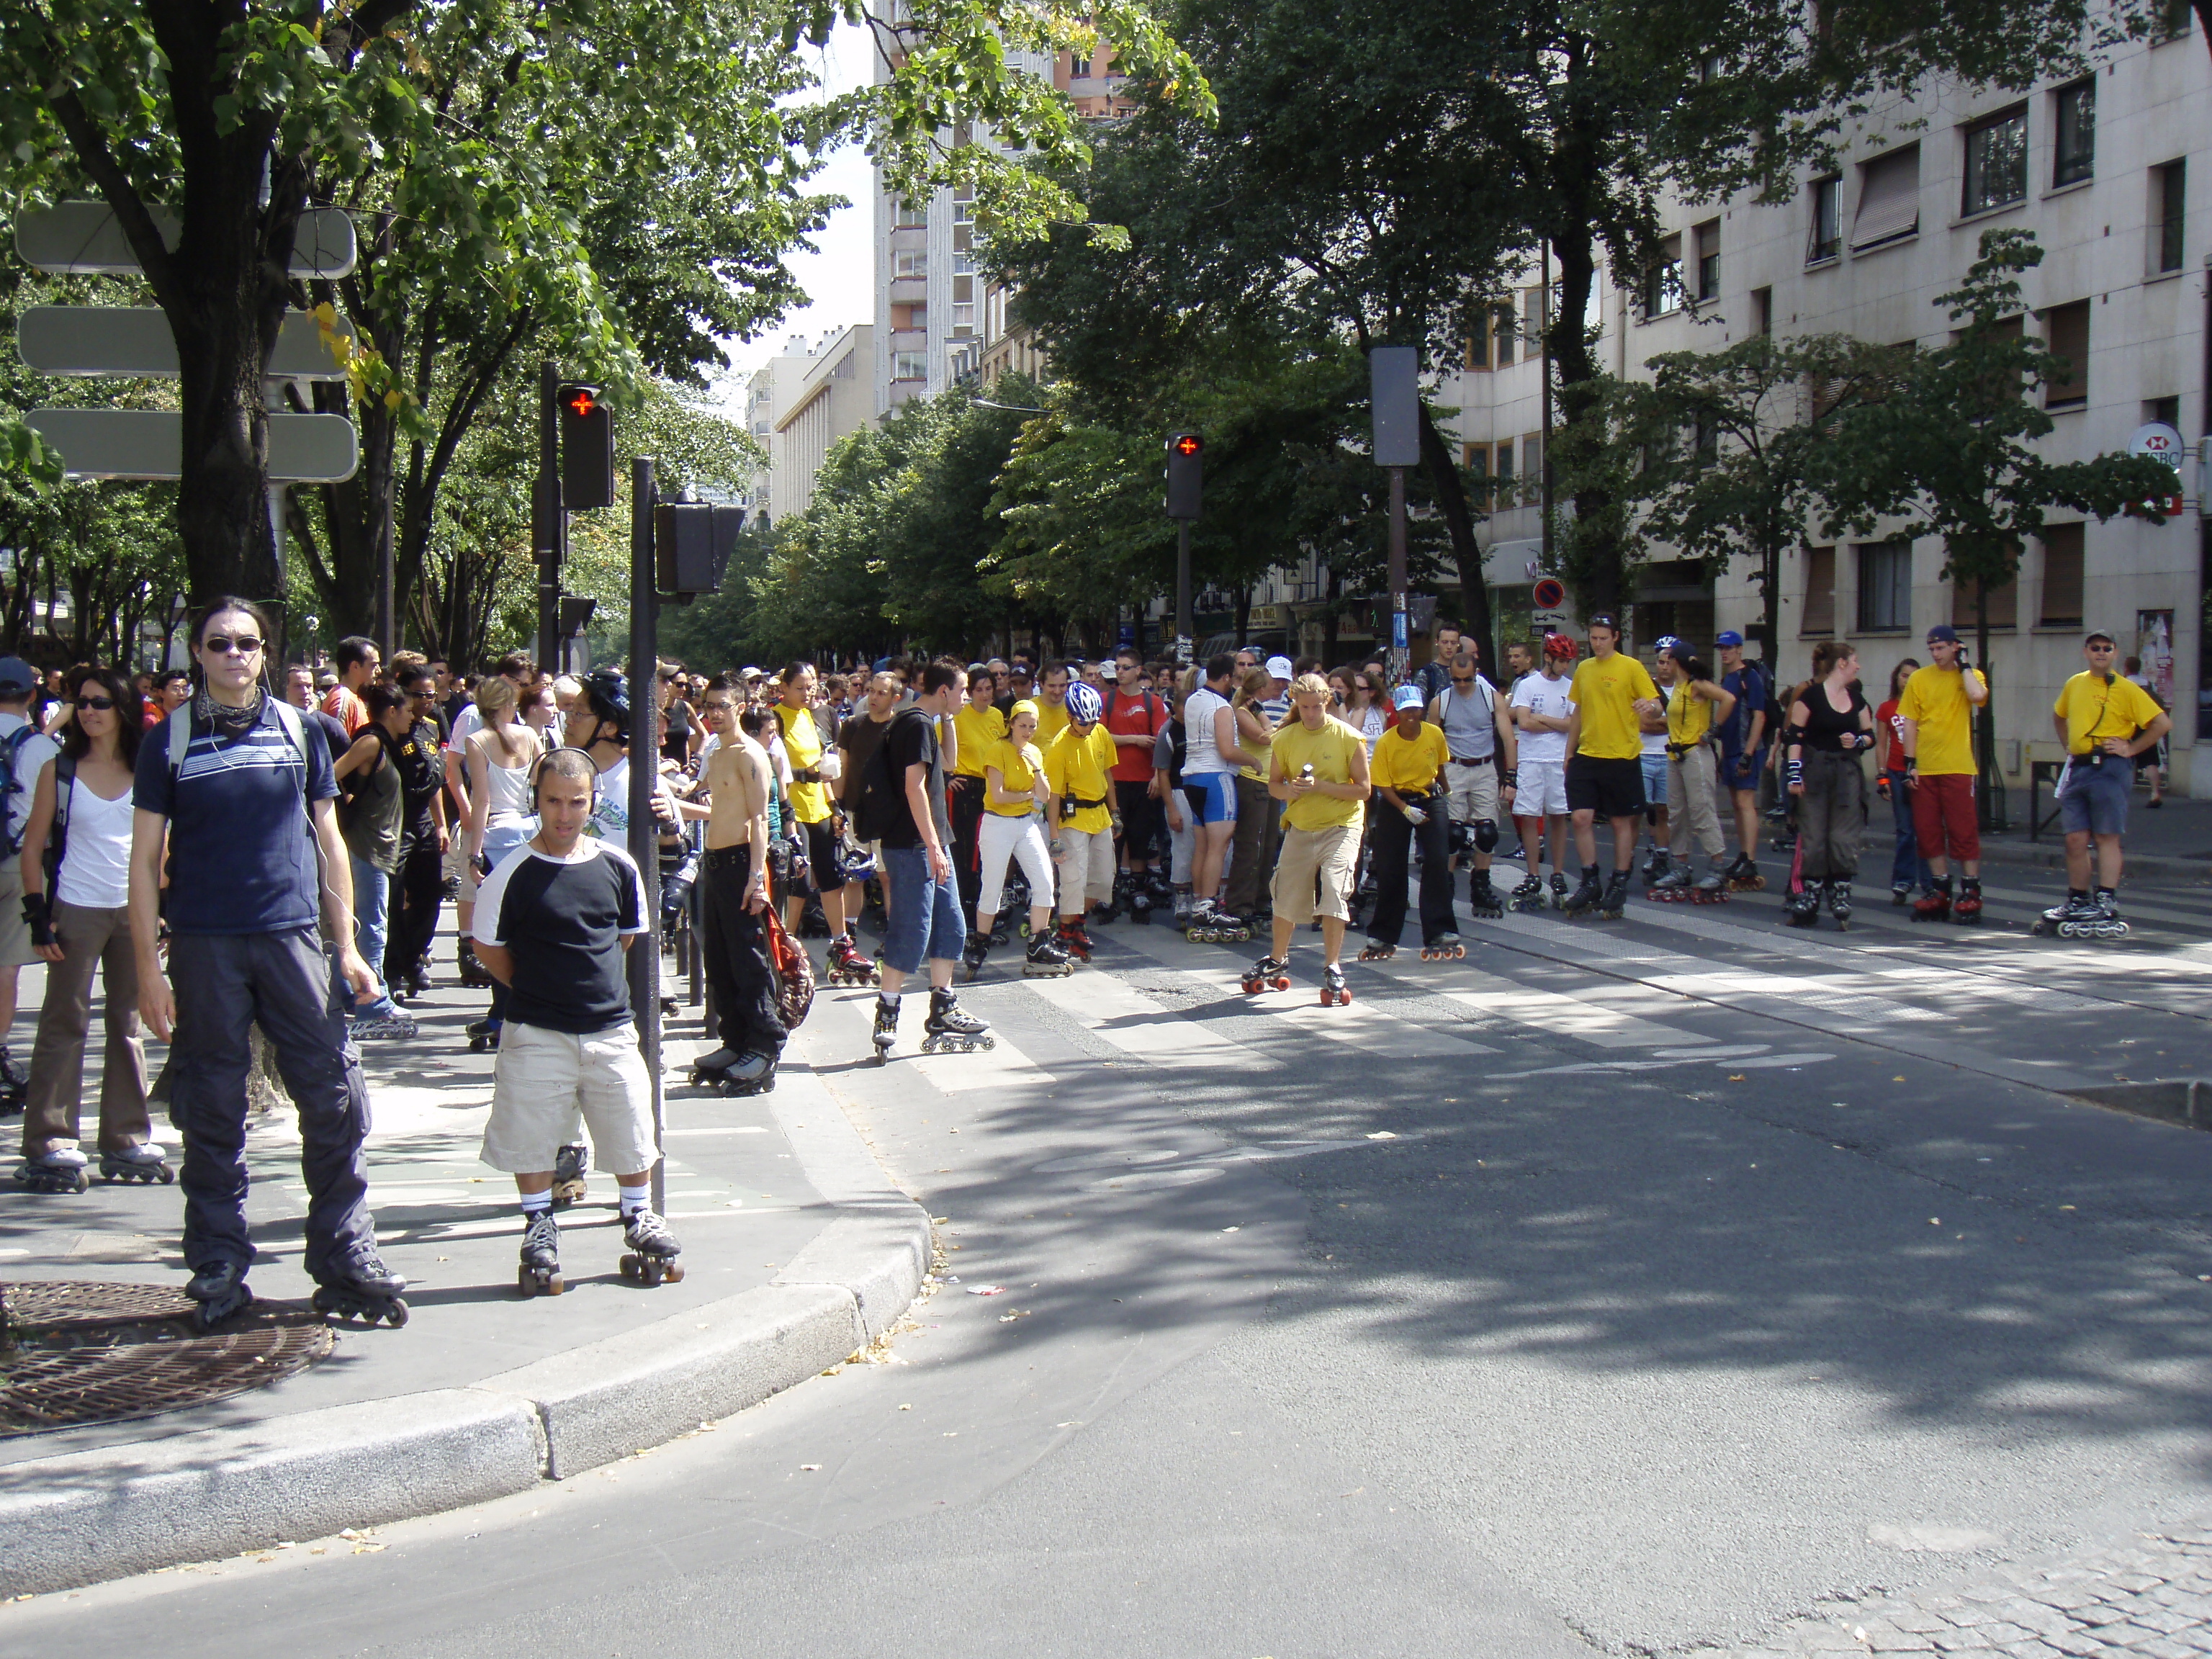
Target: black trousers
(964, 805)
(734, 941)
(417, 890)
(1389, 846)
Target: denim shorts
(1211, 795)
(2096, 798)
(922, 914)
(1655, 779)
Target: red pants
(1943, 815)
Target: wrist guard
(1794, 773)
(38, 914)
(1912, 768)
(1510, 778)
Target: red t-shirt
(1893, 748)
(1142, 716)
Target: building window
(2169, 187)
(1533, 318)
(1997, 163)
(1531, 460)
(1662, 280)
(1818, 620)
(1477, 352)
(1501, 334)
(964, 204)
(963, 319)
(909, 214)
(2062, 549)
(2166, 410)
(914, 264)
(1826, 241)
(2066, 335)
(1504, 473)
(964, 265)
(2004, 605)
(909, 366)
(1889, 198)
(1885, 587)
(2075, 156)
(1708, 260)
(1762, 311)
(1477, 457)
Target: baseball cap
(1942, 631)
(1728, 639)
(1280, 667)
(16, 677)
(1406, 696)
(1084, 703)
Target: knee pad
(1485, 835)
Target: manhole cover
(73, 1354)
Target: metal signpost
(644, 779)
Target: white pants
(1005, 838)
(545, 1084)
(1086, 869)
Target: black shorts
(1610, 788)
(822, 854)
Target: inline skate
(1045, 960)
(58, 1169)
(1140, 899)
(1743, 875)
(1900, 893)
(1181, 912)
(1528, 895)
(1073, 941)
(1445, 947)
(1935, 903)
(570, 1163)
(539, 1273)
(148, 1161)
(951, 1029)
(1211, 926)
(484, 1035)
(1839, 904)
(475, 976)
(1802, 907)
(845, 965)
(1968, 910)
(971, 959)
(220, 1289)
(1712, 887)
(1108, 909)
(1482, 899)
(1559, 893)
(1335, 993)
(1269, 974)
(358, 1286)
(652, 1250)
(1614, 902)
(886, 1027)
(1673, 886)
(1586, 897)
(1378, 952)
(2082, 917)
(1657, 866)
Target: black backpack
(882, 806)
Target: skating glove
(1510, 778)
(1414, 815)
(1794, 773)
(38, 914)
(1911, 771)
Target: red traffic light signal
(1186, 453)
(1188, 443)
(581, 400)
(587, 449)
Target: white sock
(534, 1204)
(635, 1198)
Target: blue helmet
(607, 695)
(1084, 703)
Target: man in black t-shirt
(553, 926)
(420, 885)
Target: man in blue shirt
(1743, 750)
(233, 797)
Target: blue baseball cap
(1406, 696)
(16, 677)
(1943, 631)
(1728, 639)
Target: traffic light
(1186, 454)
(691, 547)
(587, 449)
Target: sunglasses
(1469, 680)
(222, 645)
(103, 704)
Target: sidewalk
(797, 1251)
(2173, 842)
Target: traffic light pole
(1400, 639)
(644, 778)
(551, 522)
(1182, 586)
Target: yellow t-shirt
(1052, 721)
(975, 730)
(1259, 747)
(1329, 753)
(1689, 716)
(1082, 767)
(1017, 771)
(2094, 711)
(1936, 698)
(1408, 765)
(802, 746)
(1604, 690)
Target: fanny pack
(1077, 804)
(805, 775)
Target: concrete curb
(85, 1516)
(2052, 855)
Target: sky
(837, 278)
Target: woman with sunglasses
(502, 756)
(76, 862)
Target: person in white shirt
(25, 752)
(1541, 709)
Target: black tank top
(1825, 725)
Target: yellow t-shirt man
(2094, 710)
(1604, 692)
(974, 731)
(1328, 751)
(802, 746)
(1052, 721)
(1017, 771)
(1082, 767)
(1936, 698)
(1408, 765)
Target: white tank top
(509, 790)
(95, 872)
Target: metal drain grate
(77, 1353)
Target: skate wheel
(1282, 983)
(1251, 987)
(673, 1273)
(395, 1315)
(526, 1282)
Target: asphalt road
(1627, 1288)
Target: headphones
(538, 770)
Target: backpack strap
(57, 835)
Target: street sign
(1550, 594)
(146, 443)
(82, 238)
(84, 340)
(2161, 443)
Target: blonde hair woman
(1259, 816)
(503, 752)
(1013, 830)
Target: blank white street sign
(136, 341)
(145, 443)
(82, 238)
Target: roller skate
(1482, 899)
(1378, 952)
(418, 979)
(1934, 904)
(845, 965)
(1657, 865)
(1712, 887)
(539, 1273)
(1182, 903)
(1968, 910)
(1159, 889)
(1045, 959)
(1445, 947)
(1140, 901)
(886, 1027)
(1802, 907)
(1615, 902)
(15, 1082)
(1900, 893)
(1559, 893)
(1213, 926)
(1673, 885)
(148, 1161)
(1743, 876)
(361, 1287)
(1110, 907)
(56, 1170)
(484, 1035)
(753, 1075)
(971, 959)
(475, 976)
(1335, 993)
(1586, 897)
(712, 1069)
(220, 1289)
(1528, 895)
(2082, 917)
(1839, 904)
(652, 1250)
(1073, 941)
(813, 922)
(570, 1163)
(1269, 974)
(951, 1029)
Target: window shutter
(1889, 198)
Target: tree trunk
(1459, 524)
(1244, 616)
(1330, 619)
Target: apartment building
(2109, 172)
(831, 398)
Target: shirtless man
(733, 879)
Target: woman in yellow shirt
(977, 727)
(1697, 704)
(1013, 831)
(1259, 818)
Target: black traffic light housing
(691, 547)
(576, 611)
(587, 449)
(1186, 457)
